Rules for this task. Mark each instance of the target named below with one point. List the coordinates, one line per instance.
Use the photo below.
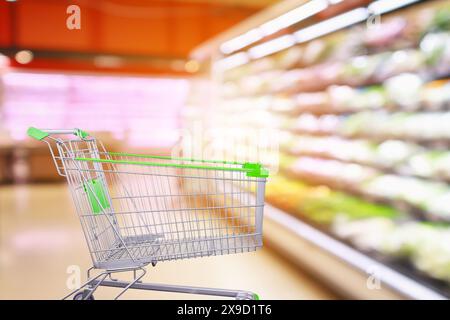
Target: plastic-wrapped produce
(366, 234)
(425, 244)
(412, 190)
(436, 48)
(404, 90)
(436, 95)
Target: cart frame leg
(97, 281)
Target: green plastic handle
(41, 134)
(36, 133)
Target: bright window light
(241, 41)
(272, 46)
(294, 16)
(331, 25)
(383, 6)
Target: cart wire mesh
(136, 209)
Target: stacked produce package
(362, 117)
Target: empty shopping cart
(137, 210)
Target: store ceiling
(259, 4)
(144, 36)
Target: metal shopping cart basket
(137, 210)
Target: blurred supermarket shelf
(362, 117)
(290, 236)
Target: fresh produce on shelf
(321, 204)
(363, 180)
(417, 192)
(325, 124)
(376, 125)
(419, 126)
(348, 99)
(332, 170)
(387, 34)
(436, 95)
(367, 234)
(405, 92)
(439, 206)
(436, 48)
(387, 154)
(425, 244)
(364, 114)
(392, 153)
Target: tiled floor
(42, 249)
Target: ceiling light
(289, 18)
(294, 16)
(232, 61)
(331, 25)
(192, 66)
(24, 56)
(383, 6)
(272, 46)
(241, 41)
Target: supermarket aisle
(41, 238)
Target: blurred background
(346, 101)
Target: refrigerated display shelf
(402, 171)
(356, 191)
(378, 138)
(394, 273)
(391, 33)
(363, 99)
(289, 89)
(413, 210)
(320, 77)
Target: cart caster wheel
(80, 295)
(247, 296)
(154, 264)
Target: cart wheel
(245, 295)
(154, 263)
(80, 295)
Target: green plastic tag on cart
(97, 195)
(255, 170)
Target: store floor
(42, 249)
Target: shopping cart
(137, 209)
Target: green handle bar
(251, 169)
(40, 134)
